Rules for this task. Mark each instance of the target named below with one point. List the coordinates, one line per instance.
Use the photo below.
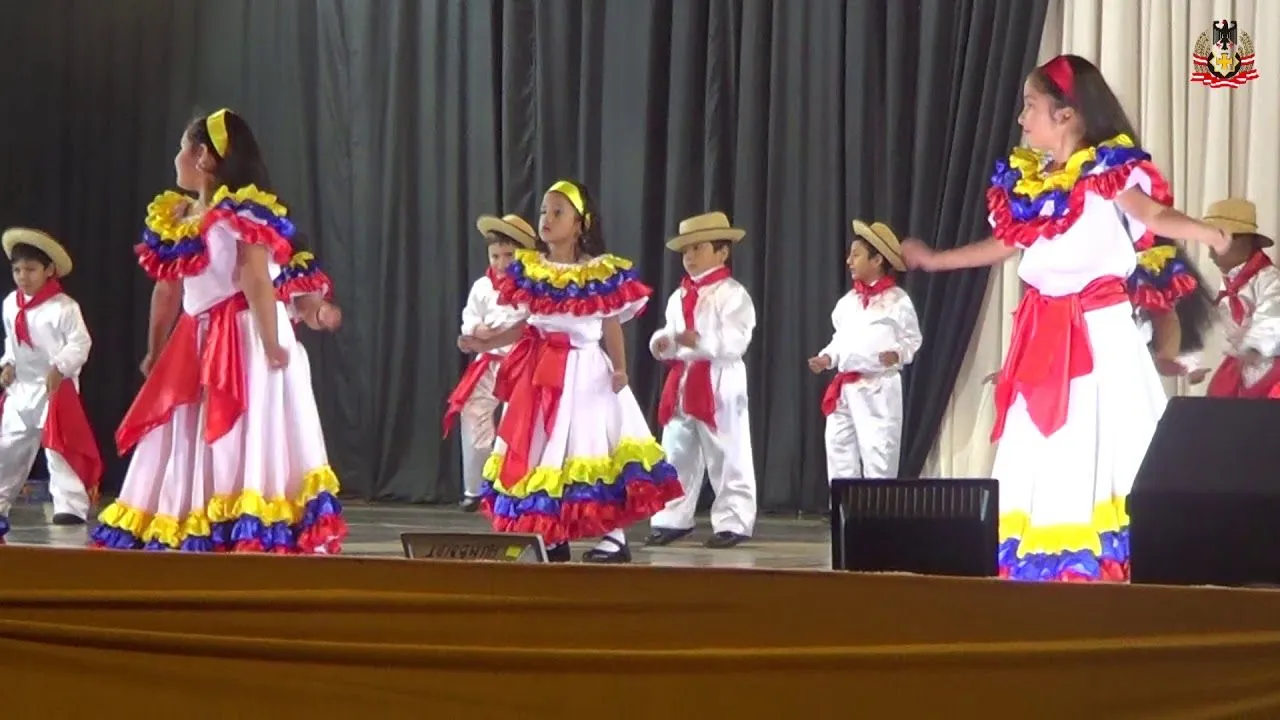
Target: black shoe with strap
(620, 553)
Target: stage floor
(779, 542)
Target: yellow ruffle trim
(1155, 258)
(170, 531)
(1031, 163)
(250, 194)
(585, 470)
(597, 269)
(1108, 516)
(167, 213)
(167, 218)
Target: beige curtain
(1211, 143)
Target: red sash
(831, 398)
(699, 401)
(471, 377)
(68, 433)
(1048, 349)
(1228, 381)
(531, 381)
(186, 369)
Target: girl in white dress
(574, 457)
(1078, 397)
(228, 450)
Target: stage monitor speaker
(484, 547)
(927, 526)
(1205, 504)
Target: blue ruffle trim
(1024, 208)
(224, 536)
(572, 291)
(283, 226)
(4, 526)
(1112, 564)
(597, 493)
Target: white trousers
(725, 456)
(477, 431)
(863, 436)
(18, 448)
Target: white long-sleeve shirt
(887, 324)
(1260, 329)
(725, 319)
(482, 308)
(59, 339)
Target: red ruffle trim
(316, 282)
(625, 294)
(1112, 571)
(1163, 300)
(580, 520)
(252, 233)
(1107, 185)
(325, 535)
(158, 269)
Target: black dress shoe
(67, 519)
(469, 504)
(659, 537)
(559, 553)
(620, 554)
(725, 539)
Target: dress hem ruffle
(248, 523)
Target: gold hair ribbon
(216, 124)
(574, 194)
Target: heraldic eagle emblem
(1223, 57)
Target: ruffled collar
(1028, 174)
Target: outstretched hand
(917, 255)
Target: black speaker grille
(905, 499)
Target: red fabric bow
(531, 381)
(699, 401)
(21, 330)
(1256, 263)
(1049, 348)
(831, 397)
(186, 370)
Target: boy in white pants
(706, 423)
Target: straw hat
(707, 227)
(35, 238)
(513, 226)
(1236, 216)
(883, 240)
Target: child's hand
(688, 338)
(148, 362)
(991, 378)
(819, 363)
(1252, 357)
(618, 380)
(52, 381)
(888, 358)
(662, 346)
(1197, 376)
(277, 357)
(1169, 367)
(470, 344)
(6, 376)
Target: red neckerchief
(699, 397)
(492, 275)
(49, 289)
(867, 291)
(1232, 286)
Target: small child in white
(472, 399)
(706, 425)
(876, 335)
(46, 344)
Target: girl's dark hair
(591, 242)
(1195, 311)
(25, 252)
(1100, 111)
(243, 164)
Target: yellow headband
(574, 194)
(216, 124)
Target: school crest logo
(1223, 57)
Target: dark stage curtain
(391, 125)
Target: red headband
(1058, 70)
